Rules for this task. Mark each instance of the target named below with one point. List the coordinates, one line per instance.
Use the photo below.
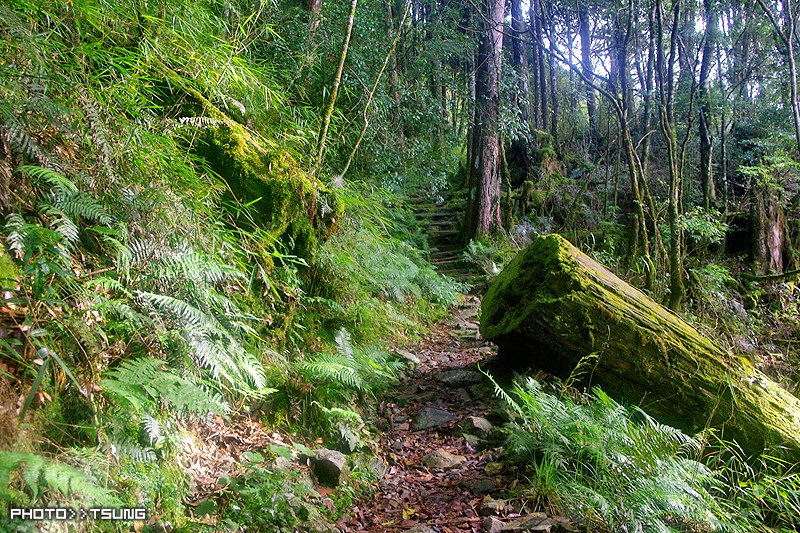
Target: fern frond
(144, 384)
(136, 453)
(60, 183)
(64, 226)
(23, 142)
(334, 368)
(152, 428)
(186, 314)
(81, 205)
(343, 343)
(16, 238)
(41, 474)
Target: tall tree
(314, 9)
(586, 64)
(665, 84)
(519, 57)
(551, 62)
(705, 127)
(541, 109)
(337, 79)
(483, 202)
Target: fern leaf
(60, 183)
(40, 474)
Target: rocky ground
(442, 443)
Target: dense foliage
(187, 244)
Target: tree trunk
(314, 9)
(542, 109)
(556, 309)
(337, 79)
(586, 65)
(520, 58)
(665, 80)
(394, 77)
(769, 229)
(371, 97)
(551, 63)
(705, 127)
(483, 203)
(787, 35)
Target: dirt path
(438, 475)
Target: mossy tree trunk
(556, 309)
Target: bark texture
(483, 203)
(556, 309)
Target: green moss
(283, 196)
(9, 273)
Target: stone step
(433, 215)
(439, 223)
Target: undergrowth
(615, 468)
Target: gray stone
(491, 524)
(463, 396)
(431, 417)
(441, 459)
(481, 391)
(460, 376)
(531, 522)
(489, 506)
(282, 463)
(420, 529)
(480, 485)
(330, 467)
(366, 461)
(308, 515)
(500, 416)
(476, 425)
(408, 356)
(397, 445)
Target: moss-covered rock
(555, 308)
(284, 196)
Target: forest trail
(445, 463)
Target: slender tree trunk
(723, 146)
(665, 79)
(520, 58)
(314, 9)
(483, 203)
(551, 62)
(371, 96)
(648, 84)
(473, 125)
(705, 127)
(337, 79)
(542, 108)
(394, 77)
(586, 65)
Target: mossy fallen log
(556, 309)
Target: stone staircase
(443, 226)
